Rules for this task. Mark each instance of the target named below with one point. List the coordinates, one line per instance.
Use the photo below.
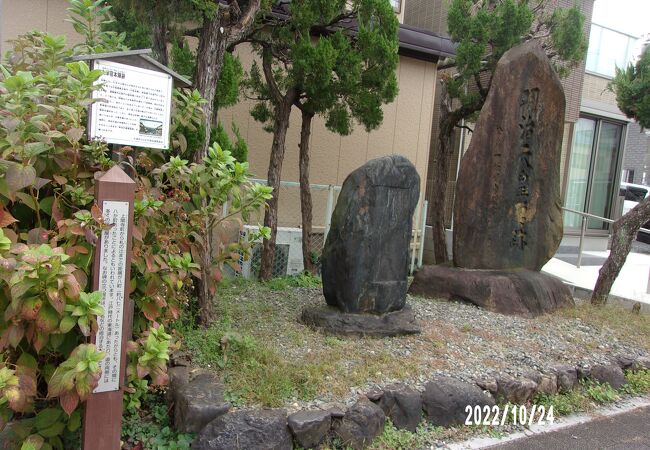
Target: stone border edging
(442, 403)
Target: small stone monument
(508, 215)
(366, 254)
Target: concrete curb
(565, 422)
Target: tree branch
(256, 98)
(464, 127)
(194, 32)
(479, 84)
(241, 28)
(267, 56)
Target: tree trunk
(280, 126)
(210, 54)
(624, 231)
(212, 48)
(205, 295)
(440, 175)
(159, 42)
(305, 192)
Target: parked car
(634, 193)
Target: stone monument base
(334, 322)
(519, 291)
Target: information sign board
(134, 106)
(112, 266)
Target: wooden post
(102, 424)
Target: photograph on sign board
(151, 127)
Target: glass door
(579, 169)
(604, 175)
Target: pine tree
(484, 31)
(312, 59)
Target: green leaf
(47, 418)
(27, 360)
(35, 148)
(46, 205)
(27, 200)
(74, 422)
(67, 324)
(55, 430)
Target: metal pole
(328, 211)
(425, 208)
(413, 248)
(582, 236)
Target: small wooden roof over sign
(138, 58)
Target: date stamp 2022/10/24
(511, 414)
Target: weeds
(252, 370)
(564, 404)
(150, 426)
(394, 439)
(304, 279)
(638, 382)
(600, 393)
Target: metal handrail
(295, 184)
(583, 228)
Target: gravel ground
(457, 339)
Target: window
(397, 5)
(628, 175)
(609, 49)
(592, 183)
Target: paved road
(626, 431)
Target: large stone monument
(508, 215)
(366, 254)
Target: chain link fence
(288, 258)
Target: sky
(629, 16)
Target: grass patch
(565, 404)
(394, 439)
(266, 357)
(600, 393)
(621, 322)
(588, 394)
(304, 279)
(253, 371)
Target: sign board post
(132, 107)
(102, 424)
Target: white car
(634, 193)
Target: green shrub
(638, 382)
(151, 426)
(49, 224)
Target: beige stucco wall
(598, 100)
(406, 130)
(594, 87)
(20, 16)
